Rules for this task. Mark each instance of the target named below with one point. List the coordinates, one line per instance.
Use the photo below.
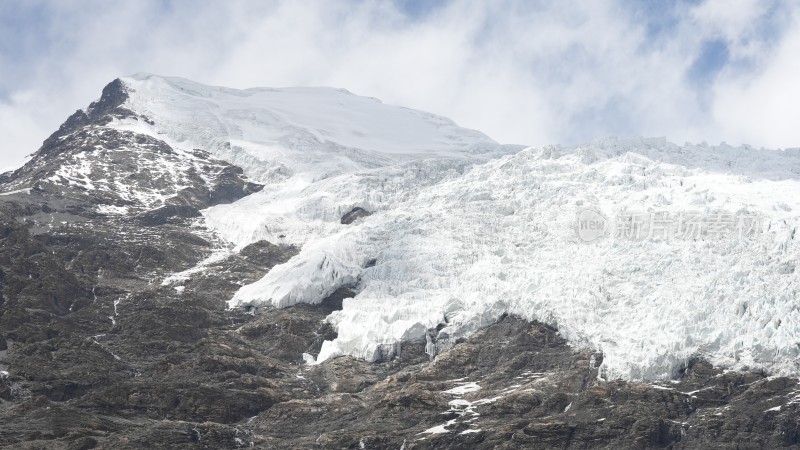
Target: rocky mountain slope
(126, 238)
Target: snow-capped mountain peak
(648, 251)
(275, 134)
(464, 230)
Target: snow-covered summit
(275, 134)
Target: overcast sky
(528, 72)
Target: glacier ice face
(465, 230)
(501, 239)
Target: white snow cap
(464, 230)
(276, 133)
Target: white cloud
(522, 71)
(764, 108)
(728, 18)
(17, 127)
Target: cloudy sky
(527, 71)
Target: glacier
(465, 230)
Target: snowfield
(465, 230)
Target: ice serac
(464, 230)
